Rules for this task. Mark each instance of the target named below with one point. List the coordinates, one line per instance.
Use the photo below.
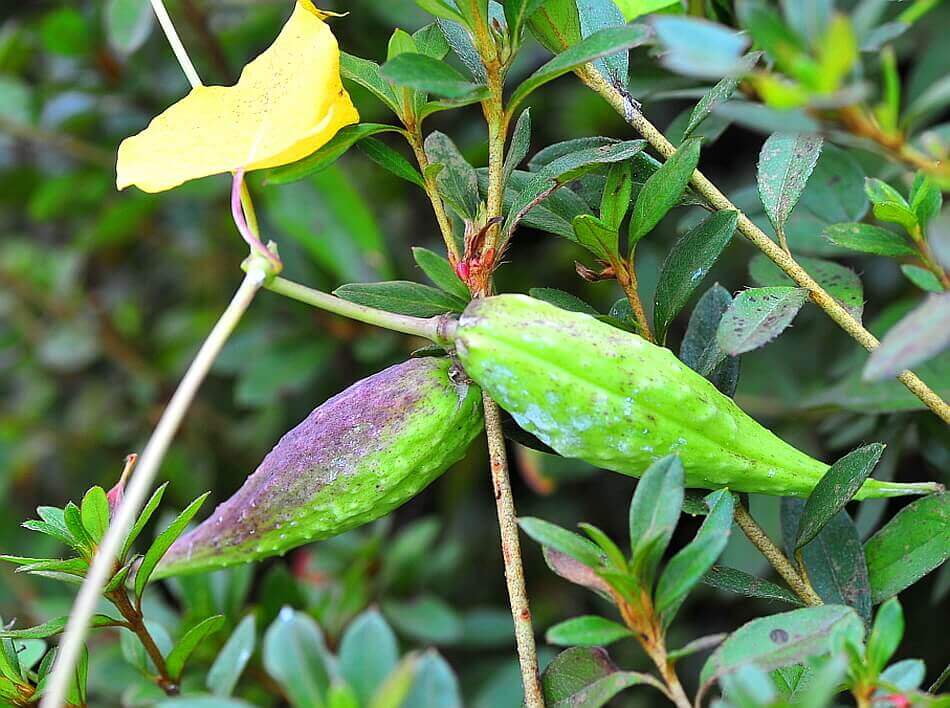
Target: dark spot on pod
(779, 636)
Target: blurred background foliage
(104, 297)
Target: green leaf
(662, 190)
(695, 47)
(785, 164)
(56, 626)
(689, 565)
(840, 282)
(423, 73)
(368, 654)
(600, 44)
(613, 553)
(457, 181)
(632, 9)
(128, 24)
(563, 541)
(925, 199)
(475, 95)
(689, 261)
(780, 640)
(886, 634)
(435, 684)
(562, 299)
(700, 349)
(143, 519)
(390, 160)
(869, 239)
(346, 138)
(366, 73)
(906, 675)
(440, 8)
(163, 542)
(73, 518)
(520, 143)
(397, 685)
(615, 201)
(231, 661)
(920, 335)
(196, 701)
(425, 618)
(176, 659)
(741, 583)
(585, 677)
(710, 641)
(296, 657)
(835, 489)
(95, 513)
(440, 272)
(764, 119)
(402, 297)
(431, 41)
(880, 192)
(556, 25)
(913, 543)
(757, 316)
(922, 278)
(517, 14)
(719, 93)
(654, 514)
(586, 631)
(596, 236)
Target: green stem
(432, 191)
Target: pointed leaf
(869, 239)
(840, 282)
(390, 160)
(176, 659)
(662, 190)
(366, 73)
(296, 656)
(922, 334)
(423, 73)
(232, 659)
(732, 580)
(440, 272)
(562, 299)
(143, 519)
(785, 164)
(757, 316)
(700, 349)
(886, 634)
(596, 236)
(585, 677)
(562, 540)
(55, 626)
(402, 297)
(587, 631)
(458, 181)
(435, 684)
(615, 202)
(163, 542)
(368, 654)
(720, 93)
(95, 513)
(654, 514)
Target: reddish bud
(118, 491)
(897, 700)
(463, 271)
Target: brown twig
(136, 624)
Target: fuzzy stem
(627, 277)
(511, 554)
(625, 107)
(775, 557)
(134, 498)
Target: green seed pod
(611, 398)
(354, 459)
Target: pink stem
(240, 220)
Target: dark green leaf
(741, 583)
(460, 39)
(431, 41)
(55, 626)
(696, 47)
(475, 95)
(368, 654)
(584, 677)
(687, 264)
(720, 93)
(175, 661)
(296, 657)
(562, 299)
(440, 272)
(757, 316)
(835, 489)
(586, 631)
(913, 543)
(457, 181)
(520, 143)
(390, 160)
(596, 236)
(840, 282)
(163, 542)
(562, 540)
(517, 14)
(73, 518)
(922, 334)
(662, 190)
(401, 296)
(869, 239)
(95, 513)
(700, 349)
(615, 202)
(654, 513)
(366, 73)
(785, 164)
(232, 659)
(423, 73)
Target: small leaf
(696, 47)
(913, 543)
(55, 626)
(366, 73)
(632, 9)
(425, 618)
(517, 14)
(402, 297)
(574, 571)
(662, 190)
(435, 684)
(654, 514)
(757, 316)
(585, 677)
(368, 654)
(441, 8)
(175, 661)
(869, 239)
(596, 236)
(602, 43)
(73, 518)
(562, 540)
(720, 93)
(615, 201)
(922, 278)
(785, 164)
(732, 580)
(886, 634)
(163, 542)
(835, 489)
(587, 631)
(520, 142)
(613, 553)
(95, 513)
(296, 657)
(562, 299)
(922, 334)
(128, 24)
(423, 73)
(457, 182)
(925, 199)
(689, 261)
(688, 567)
(390, 160)
(231, 661)
(700, 349)
(440, 272)
(710, 641)
(840, 282)
(143, 519)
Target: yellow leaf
(288, 102)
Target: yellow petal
(288, 102)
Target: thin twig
(174, 41)
(627, 277)
(432, 191)
(625, 107)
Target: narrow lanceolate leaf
(520, 143)
(149, 509)
(654, 513)
(401, 296)
(836, 488)
(688, 567)
(517, 14)
(390, 160)
(55, 626)
(720, 93)
(615, 201)
(586, 631)
(596, 236)
(600, 44)
(562, 540)
(564, 300)
(457, 181)
(329, 153)
(913, 543)
(193, 637)
(440, 272)
(757, 316)
(163, 542)
(575, 572)
(785, 164)
(842, 283)
(95, 513)
(741, 583)
(662, 190)
(922, 334)
(366, 73)
(232, 659)
(687, 264)
(780, 640)
(423, 73)
(585, 677)
(700, 349)
(886, 634)
(869, 239)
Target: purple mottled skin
(353, 459)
